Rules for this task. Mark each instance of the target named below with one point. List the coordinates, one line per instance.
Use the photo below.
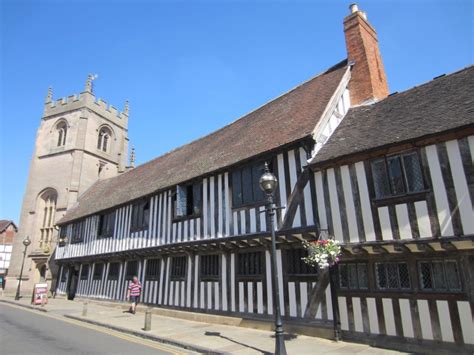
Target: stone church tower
(80, 140)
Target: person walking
(133, 294)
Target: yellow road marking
(130, 338)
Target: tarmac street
(60, 327)
(29, 332)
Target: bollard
(147, 319)
(84, 309)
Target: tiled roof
(4, 223)
(443, 104)
(286, 119)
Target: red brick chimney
(368, 80)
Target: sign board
(40, 293)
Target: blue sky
(190, 67)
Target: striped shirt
(135, 288)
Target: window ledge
(185, 218)
(209, 278)
(391, 200)
(141, 229)
(104, 236)
(249, 205)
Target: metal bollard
(147, 319)
(84, 309)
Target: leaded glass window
(153, 269)
(209, 266)
(353, 276)
(178, 267)
(114, 270)
(98, 270)
(397, 175)
(392, 276)
(295, 264)
(85, 272)
(250, 264)
(439, 276)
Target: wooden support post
(333, 281)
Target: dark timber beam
(424, 247)
(295, 199)
(379, 249)
(317, 294)
(446, 245)
(400, 248)
(358, 250)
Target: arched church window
(61, 129)
(103, 141)
(47, 210)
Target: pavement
(24, 331)
(194, 337)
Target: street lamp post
(268, 183)
(26, 242)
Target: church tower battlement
(85, 99)
(80, 140)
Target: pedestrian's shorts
(134, 299)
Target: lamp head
(26, 241)
(268, 182)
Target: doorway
(72, 283)
(42, 273)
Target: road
(24, 331)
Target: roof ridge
(437, 78)
(292, 115)
(328, 70)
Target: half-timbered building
(395, 185)
(391, 178)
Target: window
(140, 215)
(245, 185)
(209, 267)
(106, 225)
(188, 200)
(132, 270)
(295, 264)
(103, 141)
(250, 264)
(397, 175)
(85, 272)
(392, 276)
(77, 232)
(98, 271)
(178, 268)
(61, 130)
(353, 276)
(63, 232)
(46, 213)
(64, 274)
(114, 270)
(439, 276)
(153, 269)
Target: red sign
(40, 294)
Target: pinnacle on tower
(49, 97)
(126, 108)
(89, 87)
(132, 158)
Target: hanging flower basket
(322, 253)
